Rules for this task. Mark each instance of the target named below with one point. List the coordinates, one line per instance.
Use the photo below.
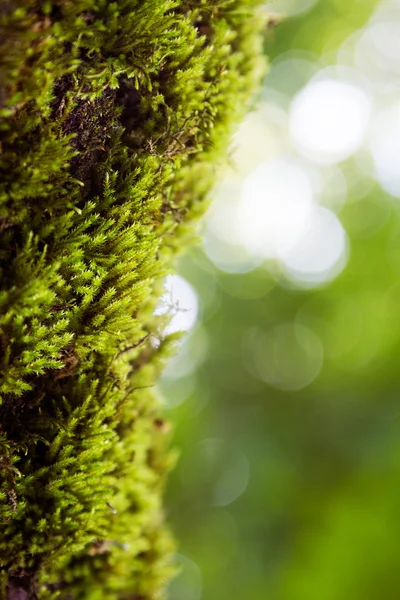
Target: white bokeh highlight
(180, 301)
(222, 237)
(322, 136)
(276, 200)
(329, 119)
(321, 253)
(275, 214)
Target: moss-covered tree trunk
(114, 117)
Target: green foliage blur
(292, 494)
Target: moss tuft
(114, 119)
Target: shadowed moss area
(114, 120)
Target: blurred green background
(284, 396)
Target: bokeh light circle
(277, 198)
(329, 119)
(321, 253)
(180, 301)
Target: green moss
(114, 120)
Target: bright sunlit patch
(180, 300)
(321, 253)
(385, 148)
(276, 201)
(328, 120)
(288, 357)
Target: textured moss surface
(114, 118)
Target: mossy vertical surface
(114, 119)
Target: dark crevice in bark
(20, 587)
